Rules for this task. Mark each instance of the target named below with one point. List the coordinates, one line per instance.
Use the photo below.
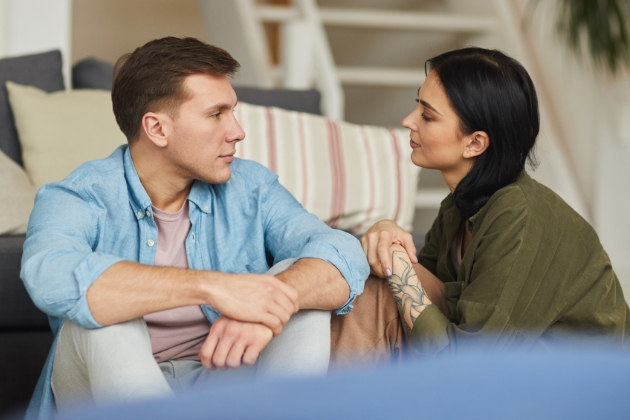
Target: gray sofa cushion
(293, 100)
(92, 73)
(39, 70)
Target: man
(145, 257)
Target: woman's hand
(376, 243)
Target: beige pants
(372, 334)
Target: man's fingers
(290, 292)
(235, 356)
(207, 350)
(286, 305)
(223, 347)
(273, 322)
(251, 354)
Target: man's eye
(217, 115)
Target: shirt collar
(199, 194)
(140, 200)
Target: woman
(506, 259)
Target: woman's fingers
(410, 247)
(376, 243)
(372, 255)
(384, 242)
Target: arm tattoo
(408, 292)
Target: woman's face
(436, 139)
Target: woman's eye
(417, 101)
(424, 117)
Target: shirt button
(140, 213)
(148, 213)
(205, 208)
(193, 237)
(150, 242)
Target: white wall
(32, 26)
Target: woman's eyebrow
(428, 105)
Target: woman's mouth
(413, 144)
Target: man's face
(204, 134)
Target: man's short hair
(151, 78)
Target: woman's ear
(156, 126)
(476, 143)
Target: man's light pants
(115, 364)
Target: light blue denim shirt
(101, 214)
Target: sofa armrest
(17, 310)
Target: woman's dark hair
(490, 92)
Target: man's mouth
(228, 158)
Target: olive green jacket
(534, 274)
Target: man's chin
(216, 178)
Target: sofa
(25, 336)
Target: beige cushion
(349, 176)
(16, 195)
(60, 131)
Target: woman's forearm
(408, 292)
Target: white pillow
(350, 176)
(59, 131)
(16, 195)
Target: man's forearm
(320, 285)
(128, 290)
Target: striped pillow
(350, 176)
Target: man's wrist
(204, 285)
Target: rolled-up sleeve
(59, 264)
(292, 232)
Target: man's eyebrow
(220, 107)
(428, 105)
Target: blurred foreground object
(568, 384)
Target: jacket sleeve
(58, 263)
(483, 308)
(292, 232)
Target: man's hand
(256, 298)
(231, 344)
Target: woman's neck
(453, 176)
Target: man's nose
(236, 132)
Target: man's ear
(476, 143)
(156, 126)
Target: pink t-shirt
(176, 333)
